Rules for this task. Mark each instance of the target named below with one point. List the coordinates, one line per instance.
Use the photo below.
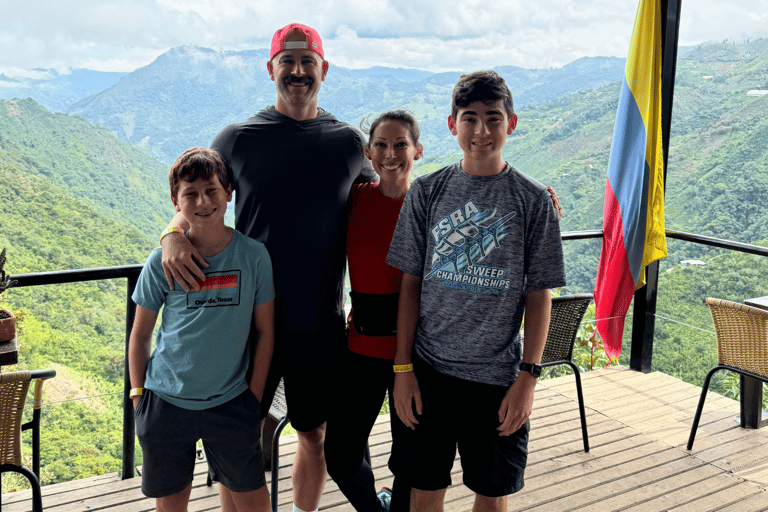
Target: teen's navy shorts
(168, 435)
(457, 412)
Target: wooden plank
(729, 450)
(682, 477)
(728, 496)
(748, 503)
(757, 474)
(603, 494)
(564, 481)
(686, 488)
(9, 352)
(83, 485)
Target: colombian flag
(633, 214)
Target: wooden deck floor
(638, 426)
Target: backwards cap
(312, 40)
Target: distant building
(692, 263)
(757, 92)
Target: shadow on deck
(638, 426)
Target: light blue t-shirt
(202, 354)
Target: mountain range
(184, 97)
(57, 90)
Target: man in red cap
(292, 165)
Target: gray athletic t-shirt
(480, 244)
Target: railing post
(750, 402)
(644, 321)
(129, 422)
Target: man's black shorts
(308, 367)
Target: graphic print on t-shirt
(463, 239)
(218, 289)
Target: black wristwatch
(533, 369)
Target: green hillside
(77, 329)
(685, 352)
(117, 180)
(54, 171)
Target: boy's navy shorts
(168, 436)
(463, 413)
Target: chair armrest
(39, 376)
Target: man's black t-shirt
(291, 181)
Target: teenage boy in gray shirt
(479, 245)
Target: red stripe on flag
(614, 287)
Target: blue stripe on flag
(628, 174)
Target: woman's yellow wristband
(403, 368)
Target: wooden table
(9, 352)
(751, 395)
(758, 302)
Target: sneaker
(385, 498)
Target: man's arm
(140, 346)
(264, 327)
(406, 391)
(181, 261)
(517, 404)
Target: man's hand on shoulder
(517, 404)
(182, 262)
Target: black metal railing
(130, 272)
(751, 393)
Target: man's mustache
(298, 80)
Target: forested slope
(116, 179)
(54, 170)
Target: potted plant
(7, 320)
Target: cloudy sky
(122, 35)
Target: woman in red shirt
(366, 370)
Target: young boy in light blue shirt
(194, 385)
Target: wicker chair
(742, 346)
(567, 312)
(13, 395)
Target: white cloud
(122, 35)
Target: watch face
(533, 369)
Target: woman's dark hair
(400, 115)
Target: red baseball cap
(312, 40)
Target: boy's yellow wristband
(136, 392)
(171, 230)
(403, 368)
